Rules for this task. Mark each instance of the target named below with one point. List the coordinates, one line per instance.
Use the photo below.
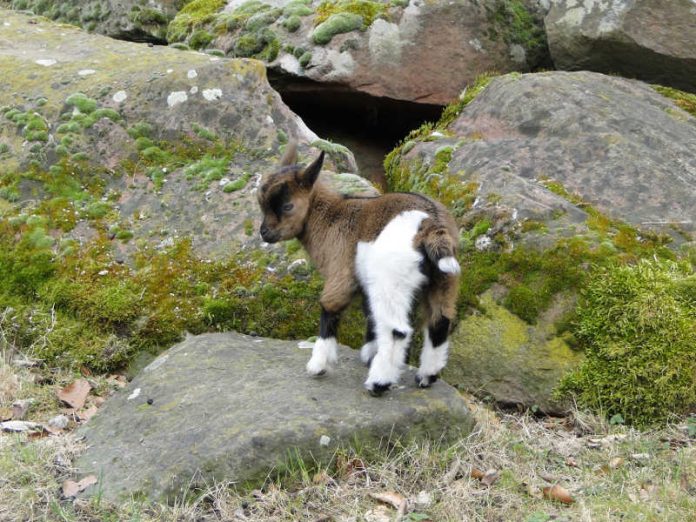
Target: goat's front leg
(334, 299)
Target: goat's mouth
(269, 236)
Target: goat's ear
(290, 156)
(309, 175)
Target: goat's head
(284, 197)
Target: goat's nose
(263, 230)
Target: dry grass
(612, 473)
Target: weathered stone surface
(536, 150)
(231, 407)
(616, 143)
(499, 354)
(652, 40)
(166, 130)
(418, 51)
(125, 19)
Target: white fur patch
(324, 355)
(388, 270)
(448, 265)
(368, 351)
(432, 360)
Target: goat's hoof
(426, 381)
(377, 389)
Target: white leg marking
(432, 360)
(368, 351)
(324, 355)
(448, 265)
(388, 270)
(387, 365)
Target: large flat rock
(231, 407)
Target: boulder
(124, 19)
(407, 50)
(651, 40)
(151, 144)
(548, 174)
(228, 407)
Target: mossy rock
(167, 441)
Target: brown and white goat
(389, 247)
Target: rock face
(652, 40)
(161, 135)
(125, 19)
(558, 167)
(616, 143)
(231, 407)
(411, 50)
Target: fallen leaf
(72, 488)
(548, 478)
(20, 408)
(86, 372)
(558, 493)
(616, 462)
(5, 414)
(476, 474)
(17, 426)
(490, 477)
(87, 413)
(379, 514)
(394, 499)
(75, 394)
(571, 462)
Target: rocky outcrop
(554, 172)
(151, 144)
(652, 40)
(407, 50)
(227, 407)
(126, 19)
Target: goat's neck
(326, 236)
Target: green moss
(637, 326)
(81, 102)
(684, 100)
(262, 19)
(305, 59)
(200, 39)
(366, 9)
(297, 8)
(336, 24)
(140, 129)
(292, 23)
(148, 16)
(207, 169)
(194, 15)
(515, 23)
(204, 133)
(237, 184)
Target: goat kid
(389, 247)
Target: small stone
(191, 74)
(324, 441)
(120, 96)
(134, 394)
(59, 422)
(212, 94)
(46, 62)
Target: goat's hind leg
(439, 307)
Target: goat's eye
(287, 207)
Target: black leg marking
(438, 332)
(328, 324)
(398, 334)
(426, 382)
(378, 389)
(370, 331)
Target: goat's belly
(390, 263)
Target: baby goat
(389, 247)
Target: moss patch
(685, 100)
(366, 9)
(193, 16)
(638, 327)
(336, 24)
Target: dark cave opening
(369, 126)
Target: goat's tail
(441, 249)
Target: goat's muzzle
(268, 235)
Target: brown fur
(330, 225)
